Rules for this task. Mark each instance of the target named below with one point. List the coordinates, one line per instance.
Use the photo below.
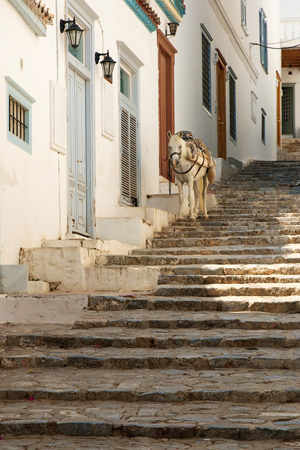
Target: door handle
(79, 160)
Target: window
(125, 83)
(263, 40)
(18, 119)
(206, 70)
(253, 106)
(263, 126)
(19, 105)
(232, 103)
(244, 15)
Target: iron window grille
(232, 105)
(206, 73)
(17, 119)
(263, 126)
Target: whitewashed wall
(189, 112)
(34, 192)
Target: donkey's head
(175, 147)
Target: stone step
(141, 443)
(238, 421)
(219, 290)
(126, 337)
(175, 260)
(210, 232)
(180, 241)
(157, 386)
(201, 358)
(233, 270)
(231, 249)
(186, 313)
(235, 221)
(189, 279)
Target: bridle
(192, 166)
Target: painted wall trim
(138, 11)
(234, 38)
(30, 17)
(173, 9)
(20, 89)
(131, 59)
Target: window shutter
(129, 180)
(261, 36)
(266, 43)
(243, 13)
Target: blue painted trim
(141, 15)
(176, 3)
(26, 100)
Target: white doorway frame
(86, 16)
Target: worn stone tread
(155, 420)
(243, 385)
(198, 358)
(139, 443)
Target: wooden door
(166, 61)
(288, 110)
(77, 152)
(221, 107)
(278, 108)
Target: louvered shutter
(129, 172)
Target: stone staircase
(290, 150)
(210, 360)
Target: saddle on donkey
(198, 148)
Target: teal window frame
(263, 39)
(26, 100)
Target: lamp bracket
(63, 24)
(97, 56)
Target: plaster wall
(34, 187)
(223, 21)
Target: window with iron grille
(244, 14)
(18, 119)
(206, 73)
(263, 39)
(263, 126)
(19, 115)
(232, 106)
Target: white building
(290, 37)
(236, 114)
(80, 153)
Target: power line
(274, 48)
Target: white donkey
(190, 165)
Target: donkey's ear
(169, 134)
(180, 134)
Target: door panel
(77, 151)
(221, 109)
(287, 111)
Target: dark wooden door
(287, 110)
(221, 108)
(166, 61)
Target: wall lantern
(290, 72)
(74, 32)
(107, 63)
(173, 28)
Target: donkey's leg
(191, 198)
(205, 185)
(181, 198)
(197, 197)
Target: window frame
(263, 39)
(21, 96)
(205, 35)
(244, 15)
(254, 99)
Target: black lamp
(107, 63)
(290, 72)
(74, 32)
(173, 28)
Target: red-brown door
(221, 106)
(166, 61)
